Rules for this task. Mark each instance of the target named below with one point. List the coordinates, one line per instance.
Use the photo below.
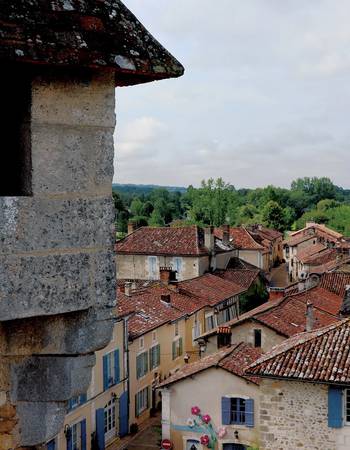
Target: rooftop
(92, 34)
(320, 356)
(314, 249)
(240, 238)
(184, 241)
(234, 359)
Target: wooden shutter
(249, 412)
(100, 428)
(180, 346)
(137, 405)
(158, 355)
(145, 359)
(225, 410)
(335, 407)
(124, 414)
(116, 367)
(138, 366)
(105, 372)
(83, 434)
(174, 349)
(151, 358)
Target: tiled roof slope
(319, 229)
(315, 249)
(292, 241)
(184, 241)
(319, 356)
(240, 238)
(244, 278)
(83, 33)
(233, 359)
(323, 257)
(335, 282)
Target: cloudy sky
(265, 97)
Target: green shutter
(138, 366)
(158, 355)
(145, 358)
(180, 346)
(174, 350)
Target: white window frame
(111, 368)
(211, 315)
(196, 330)
(151, 348)
(145, 400)
(346, 408)
(154, 337)
(110, 420)
(177, 342)
(178, 266)
(153, 267)
(76, 436)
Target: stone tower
(61, 61)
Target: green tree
(156, 219)
(273, 215)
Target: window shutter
(116, 367)
(138, 366)
(136, 405)
(100, 428)
(145, 358)
(180, 346)
(249, 412)
(51, 445)
(151, 358)
(174, 350)
(148, 394)
(105, 372)
(335, 407)
(158, 355)
(83, 399)
(70, 405)
(83, 434)
(69, 440)
(226, 410)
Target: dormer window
(15, 178)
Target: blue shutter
(69, 439)
(83, 434)
(249, 412)
(105, 372)
(70, 405)
(100, 428)
(335, 407)
(123, 414)
(51, 445)
(83, 399)
(145, 358)
(116, 367)
(226, 410)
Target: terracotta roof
(319, 356)
(335, 282)
(184, 241)
(244, 278)
(296, 240)
(320, 229)
(323, 257)
(233, 359)
(266, 233)
(240, 238)
(82, 33)
(211, 288)
(304, 254)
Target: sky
(265, 97)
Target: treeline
(216, 202)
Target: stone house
(227, 400)
(61, 61)
(305, 391)
(101, 415)
(190, 251)
(271, 239)
(167, 318)
(276, 320)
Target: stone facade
(294, 415)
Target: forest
(216, 202)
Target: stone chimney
(209, 240)
(128, 288)
(131, 227)
(225, 234)
(167, 275)
(345, 307)
(310, 319)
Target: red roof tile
(292, 241)
(335, 282)
(233, 359)
(312, 250)
(318, 356)
(244, 278)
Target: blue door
(100, 428)
(234, 447)
(123, 414)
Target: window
(109, 420)
(152, 267)
(74, 402)
(141, 364)
(237, 411)
(176, 327)
(224, 339)
(177, 265)
(154, 336)
(257, 338)
(347, 406)
(196, 330)
(210, 321)
(177, 349)
(226, 315)
(51, 445)
(111, 369)
(141, 401)
(154, 356)
(15, 93)
(142, 342)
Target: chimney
(310, 320)
(225, 234)
(165, 298)
(209, 240)
(345, 307)
(167, 275)
(127, 288)
(131, 227)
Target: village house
(61, 62)
(271, 239)
(190, 251)
(213, 402)
(305, 390)
(303, 244)
(277, 320)
(162, 331)
(248, 249)
(100, 416)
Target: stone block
(50, 378)
(105, 281)
(71, 159)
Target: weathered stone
(7, 426)
(7, 411)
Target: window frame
(178, 347)
(153, 274)
(145, 367)
(151, 356)
(238, 411)
(76, 426)
(346, 405)
(145, 400)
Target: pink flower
(195, 410)
(205, 439)
(206, 418)
(222, 432)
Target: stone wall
(57, 270)
(294, 416)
